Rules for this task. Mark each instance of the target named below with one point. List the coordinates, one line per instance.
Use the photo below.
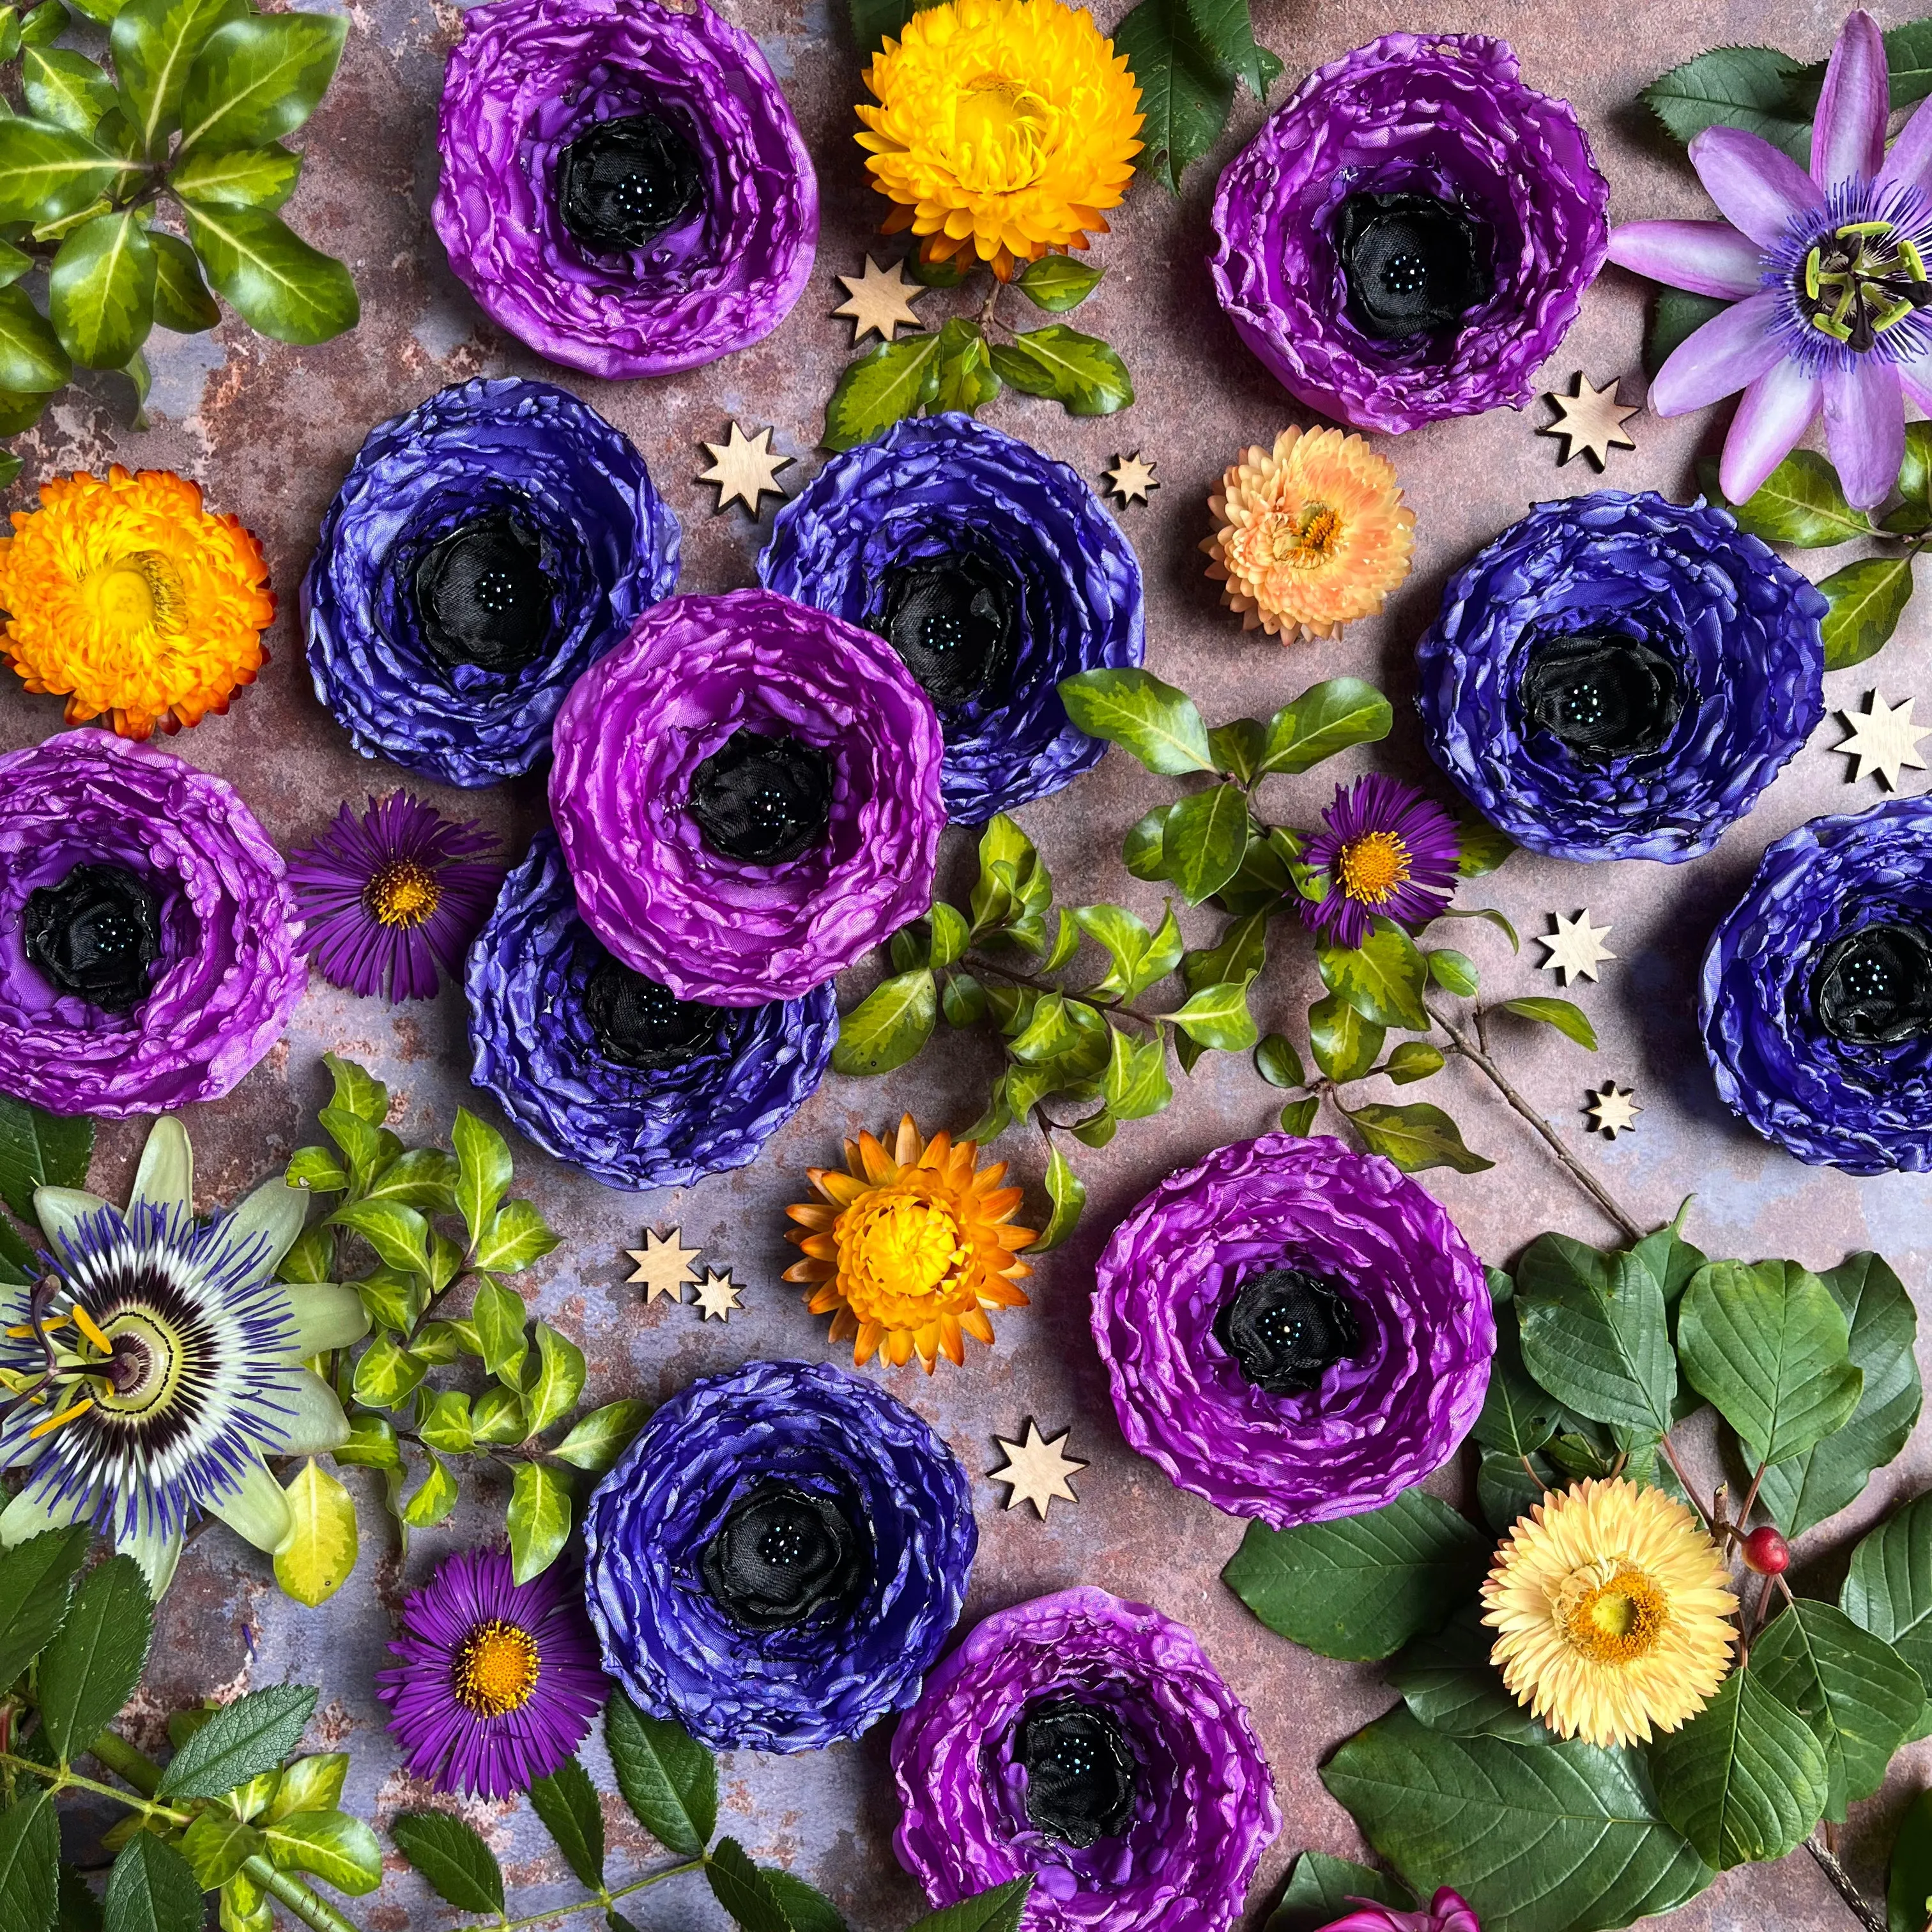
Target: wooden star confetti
(742, 467)
(1590, 421)
(879, 300)
(1036, 1471)
(1130, 479)
(664, 1264)
(1613, 1110)
(1576, 948)
(1884, 740)
(719, 1296)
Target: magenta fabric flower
(624, 187)
(1448, 1911)
(1293, 1330)
(1389, 852)
(1827, 275)
(1090, 1743)
(747, 791)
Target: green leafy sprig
(422, 1225)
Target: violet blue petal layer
(673, 1646)
(1204, 1806)
(1738, 626)
(528, 450)
(229, 973)
(938, 487)
(1381, 1417)
(1445, 116)
(527, 79)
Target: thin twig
(1664, 1443)
(1750, 1496)
(978, 963)
(1867, 1914)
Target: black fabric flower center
(1874, 987)
(623, 181)
(1605, 697)
(1081, 1772)
(763, 800)
(1413, 264)
(483, 594)
(638, 1023)
(96, 935)
(783, 1555)
(952, 618)
(1284, 1327)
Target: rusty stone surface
(269, 430)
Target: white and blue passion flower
(157, 1363)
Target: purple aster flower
(147, 957)
(389, 897)
(1410, 234)
(484, 548)
(604, 1068)
(1389, 853)
(1619, 677)
(499, 1681)
(1827, 275)
(1293, 1330)
(747, 794)
(624, 187)
(994, 572)
(1816, 1004)
(1088, 1742)
(776, 1560)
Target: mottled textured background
(269, 430)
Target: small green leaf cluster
(1601, 1359)
(670, 1781)
(37, 1150)
(420, 1224)
(1189, 56)
(232, 1813)
(191, 118)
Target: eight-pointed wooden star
(1036, 1471)
(718, 1296)
(1883, 739)
(664, 1264)
(1613, 1110)
(742, 467)
(879, 300)
(1590, 422)
(1576, 948)
(1130, 479)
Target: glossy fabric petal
(1758, 189)
(1708, 258)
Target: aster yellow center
(404, 892)
(1002, 131)
(1304, 542)
(1610, 1612)
(136, 594)
(1371, 867)
(910, 1245)
(496, 1669)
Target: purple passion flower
(148, 956)
(747, 794)
(1389, 853)
(776, 1560)
(624, 187)
(1618, 676)
(1410, 234)
(993, 571)
(604, 1068)
(1817, 992)
(1293, 1330)
(483, 550)
(498, 1680)
(1090, 1743)
(388, 897)
(1826, 273)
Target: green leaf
(741, 1889)
(966, 379)
(357, 1091)
(1535, 1836)
(152, 1889)
(483, 1171)
(892, 381)
(1449, 1684)
(1733, 87)
(1277, 1061)
(1568, 1019)
(37, 1149)
(1236, 747)
(1518, 1415)
(47, 172)
(454, 1862)
(1909, 1888)
(1326, 719)
(1745, 1780)
(963, 1001)
(1915, 485)
(1454, 972)
(29, 1862)
(280, 285)
(1866, 600)
(1507, 1491)
(1218, 1016)
(889, 1025)
(1081, 373)
(1129, 947)
(45, 23)
(36, 1579)
(1801, 503)
(806, 1908)
(1768, 1348)
(1205, 837)
(398, 1233)
(997, 1910)
(433, 1498)
(385, 1373)
(312, 1783)
(1806, 1488)
(90, 1668)
(566, 1802)
(1068, 1193)
(1415, 1137)
(329, 1845)
(248, 177)
(1058, 283)
(155, 44)
(315, 1561)
(1345, 1045)
(1413, 1060)
(596, 1441)
(241, 1740)
(499, 1315)
(1157, 723)
(668, 1779)
(1225, 28)
(1142, 850)
(1382, 979)
(1186, 93)
(258, 78)
(873, 20)
(1136, 1083)
(1361, 1586)
(371, 1443)
(560, 1378)
(1888, 1589)
(538, 1520)
(1320, 1889)
(1595, 1334)
(217, 1845)
(64, 89)
(100, 290)
(1298, 1116)
(950, 933)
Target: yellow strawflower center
(496, 1669)
(1371, 867)
(1304, 542)
(404, 892)
(902, 1246)
(1612, 1612)
(135, 594)
(1001, 133)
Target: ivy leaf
(1326, 719)
(1381, 978)
(151, 1887)
(1159, 725)
(1205, 838)
(64, 89)
(258, 78)
(1416, 1137)
(47, 172)
(90, 1668)
(241, 1741)
(1568, 1018)
(966, 378)
(1218, 1016)
(1866, 600)
(668, 1779)
(100, 290)
(280, 285)
(566, 1801)
(889, 1025)
(1081, 373)
(1801, 503)
(454, 1862)
(1676, 315)
(1058, 283)
(1733, 87)
(1068, 1193)
(320, 1551)
(1345, 1045)
(1595, 1334)
(155, 44)
(1186, 93)
(36, 1580)
(890, 382)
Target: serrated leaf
(320, 1551)
(741, 1889)
(1058, 283)
(889, 1026)
(258, 77)
(1801, 503)
(1345, 1045)
(668, 1779)
(893, 380)
(806, 1908)
(999, 1908)
(1159, 724)
(1186, 94)
(538, 1520)
(1733, 87)
(1326, 719)
(1519, 1416)
(36, 1581)
(1068, 1193)
(873, 20)
(280, 285)
(1226, 29)
(966, 379)
(1382, 979)
(1416, 1137)
(1866, 600)
(100, 290)
(1081, 373)
(1568, 1018)
(454, 1862)
(566, 1802)
(1595, 1334)
(239, 1742)
(90, 1668)
(150, 1888)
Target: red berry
(1767, 1552)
